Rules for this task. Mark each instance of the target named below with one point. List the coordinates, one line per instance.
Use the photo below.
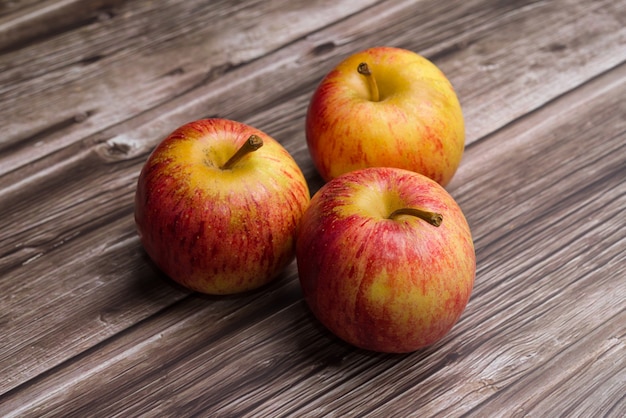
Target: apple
(385, 107)
(217, 206)
(385, 259)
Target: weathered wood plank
(135, 56)
(591, 41)
(28, 21)
(546, 315)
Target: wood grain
(89, 326)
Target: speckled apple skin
(387, 285)
(219, 231)
(417, 124)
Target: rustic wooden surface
(88, 326)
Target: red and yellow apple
(386, 107)
(385, 259)
(218, 212)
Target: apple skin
(219, 231)
(387, 285)
(417, 124)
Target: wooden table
(89, 327)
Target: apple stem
(432, 218)
(253, 143)
(364, 69)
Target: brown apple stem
(432, 218)
(364, 69)
(252, 144)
